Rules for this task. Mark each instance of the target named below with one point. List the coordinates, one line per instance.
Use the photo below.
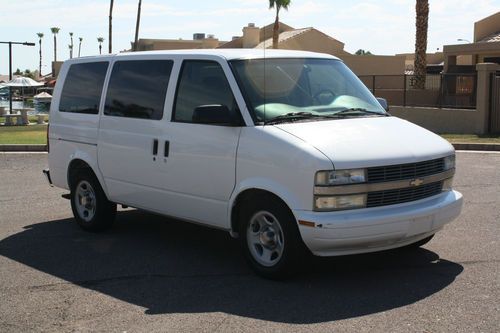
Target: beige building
(199, 41)
(309, 39)
(305, 39)
(484, 48)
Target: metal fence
(441, 90)
(494, 116)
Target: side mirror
(215, 114)
(383, 103)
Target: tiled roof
(494, 37)
(268, 43)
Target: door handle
(167, 149)
(155, 147)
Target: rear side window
(137, 89)
(83, 88)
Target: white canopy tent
(43, 95)
(23, 82)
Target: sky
(384, 27)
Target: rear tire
(91, 209)
(270, 238)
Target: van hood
(372, 141)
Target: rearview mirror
(215, 114)
(383, 103)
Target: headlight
(449, 162)
(340, 202)
(340, 177)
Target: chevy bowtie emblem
(416, 182)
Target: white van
(286, 150)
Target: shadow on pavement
(168, 266)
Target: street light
(10, 67)
(463, 40)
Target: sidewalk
(458, 146)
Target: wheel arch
(244, 196)
(80, 163)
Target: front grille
(405, 171)
(392, 197)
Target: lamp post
(463, 40)
(10, 67)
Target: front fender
(264, 184)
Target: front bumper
(376, 229)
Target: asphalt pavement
(154, 274)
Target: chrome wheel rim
(265, 238)
(85, 201)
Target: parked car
(286, 150)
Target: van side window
(83, 88)
(137, 89)
(202, 83)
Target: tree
(27, 73)
(362, 52)
(137, 23)
(110, 37)
(79, 46)
(278, 4)
(71, 46)
(30, 74)
(55, 31)
(100, 40)
(420, 67)
(40, 36)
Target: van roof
(229, 54)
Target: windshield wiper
(297, 116)
(290, 117)
(360, 110)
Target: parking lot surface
(151, 273)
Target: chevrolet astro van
(286, 150)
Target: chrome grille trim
(377, 187)
(404, 171)
(397, 196)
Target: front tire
(91, 209)
(270, 238)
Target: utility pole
(137, 24)
(10, 67)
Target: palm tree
(79, 46)
(110, 37)
(100, 40)
(71, 46)
(362, 52)
(40, 36)
(55, 31)
(278, 4)
(137, 23)
(422, 11)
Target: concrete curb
(458, 146)
(22, 148)
(477, 146)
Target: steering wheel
(324, 97)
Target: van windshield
(295, 89)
